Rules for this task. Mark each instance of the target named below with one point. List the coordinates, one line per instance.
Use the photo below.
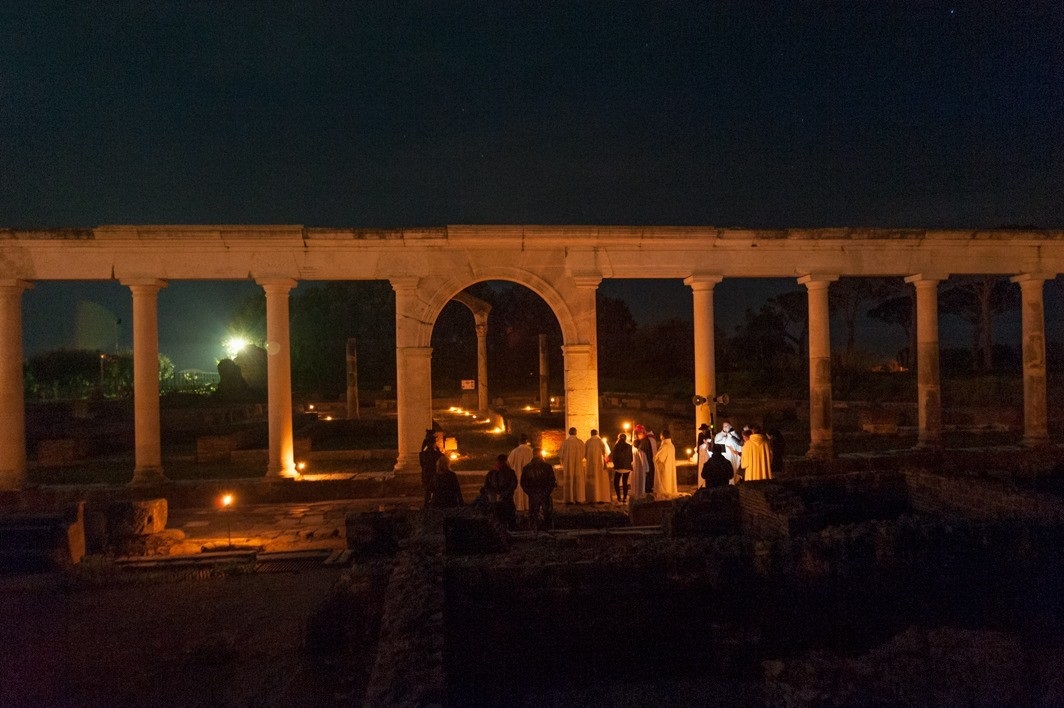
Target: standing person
(499, 486)
(717, 471)
(757, 456)
(428, 456)
(446, 492)
(733, 445)
(640, 464)
(622, 467)
(517, 459)
(703, 449)
(643, 443)
(778, 448)
(595, 452)
(538, 481)
(665, 466)
(571, 456)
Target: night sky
(400, 114)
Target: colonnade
(417, 304)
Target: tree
(901, 311)
(848, 297)
(978, 299)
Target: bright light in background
(301, 466)
(496, 429)
(454, 455)
(234, 345)
(626, 426)
(227, 500)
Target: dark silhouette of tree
(978, 299)
(900, 310)
(849, 296)
(322, 319)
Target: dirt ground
(129, 640)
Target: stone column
(581, 360)
(820, 444)
(148, 467)
(12, 397)
(279, 377)
(705, 354)
(928, 386)
(1035, 422)
(482, 364)
(413, 376)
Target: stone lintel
(405, 283)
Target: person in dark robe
(499, 486)
(538, 481)
(446, 492)
(717, 471)
(428, 456)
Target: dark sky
(400, 114)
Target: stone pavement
(274, 527)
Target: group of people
(595, 472)
(732, 456)
(504, 488)
(592, 471)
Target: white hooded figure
(703, 451)
(517, 459)
(733, 445)
(571, 455)
(595, 453)
(665, 468)
(639, 474)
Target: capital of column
(926, 279)
(568, 349)
(276, 285)
(481, 329)
(817, 282)
(143, 284)
(587, 281)
(1024, 278)
(702, 282)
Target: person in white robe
(571, 455)
(517, 459)
(596, 451)
(665, 468)
(703, 450)
(733, 445)
(639, 474)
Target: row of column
(413, 364)
(929, 393)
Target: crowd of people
(595, 472)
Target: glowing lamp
(626, 426)
(301, 466)
(454, 455)
(227, 500)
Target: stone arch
(445, 291)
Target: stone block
(648, 512)
(136, 517)
(375, 533)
